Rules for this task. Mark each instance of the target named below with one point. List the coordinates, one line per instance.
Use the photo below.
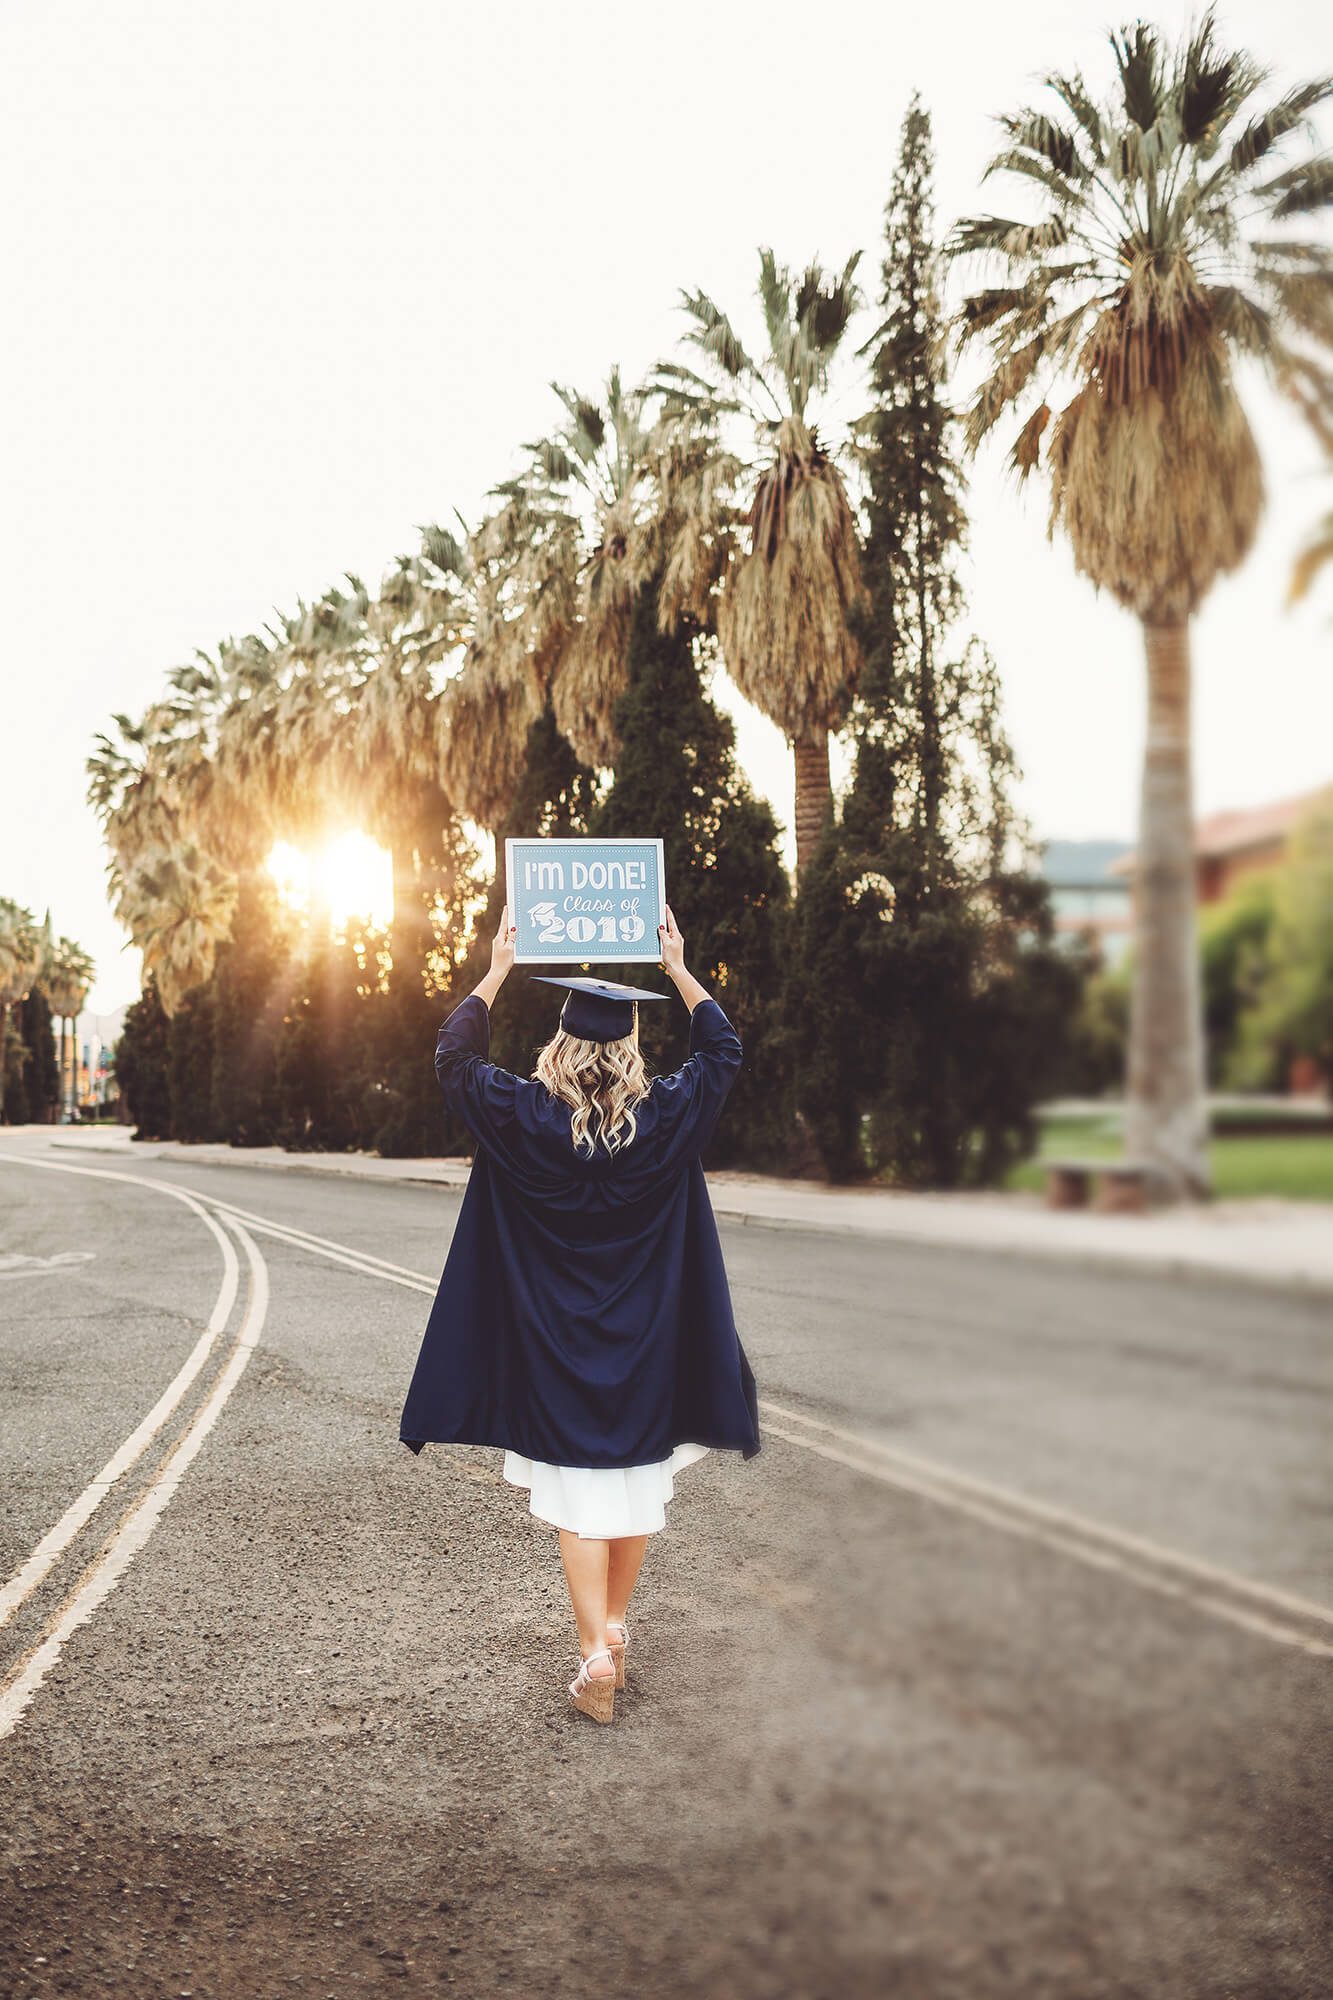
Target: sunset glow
(349, 880)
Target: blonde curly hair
(601, 1082)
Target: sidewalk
(1269, 1242)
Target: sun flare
(348, 880)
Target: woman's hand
(672, 943)
(502, 960)
(502, 945)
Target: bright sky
(282, 282)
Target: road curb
(1149, 1262)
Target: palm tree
(513, 577)
(782, 611)
(66, 975)
(177, 903)
(389, 753)
(21, 951)
(593, 483)
(1314, 557)
(1160, 259)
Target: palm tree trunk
(814, 795)
(411, 936)
(1166, 1123)
(4, 1055)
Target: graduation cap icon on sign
(598, 1010)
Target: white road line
(272, 1228)
(1220, 1593)
(1091, 1553)
(52, 1546)
(369, 1267)
(1061, 1518)
(101, 1578)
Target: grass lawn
(1298, 1167)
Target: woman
(583, 1321)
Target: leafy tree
(677, 776)
(1236, 945)
(1292, 1015)
(831, 996)
(1094, 1060)
(1171, 247)
(142, 1064)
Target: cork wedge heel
(617, 1646)
(594, 1695)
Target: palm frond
(1209, 86)
(775, 299)
(1034, 167)
(1138, 60)
(1027, 445)
(1301, 189)
(1240, 319)
(715, 336)
(1316, 556)
(1074, 94)
(1046, 140)
(586, 417)
(1270, 127)
(997, 235)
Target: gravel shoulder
(315, 1741)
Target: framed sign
(585, 901)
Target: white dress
(599, 1501)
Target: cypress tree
(190, 1065)
(916, 519)
(321, 1059)
(141, 1064)
(249, 997)
(32, 1079)
(677, 778)
(940, 998)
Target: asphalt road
(1000, 1672)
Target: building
(95, 1038)
(1088, 895)
(1229, 845)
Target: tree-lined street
(313, 1739)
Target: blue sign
(585, 902)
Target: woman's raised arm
(673, 963)
(502, 961)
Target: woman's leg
(586, 1562)
(622, 1573)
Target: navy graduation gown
(583, 1317)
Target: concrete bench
(1120, 1186)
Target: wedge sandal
(594, 1697)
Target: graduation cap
(598, 1010)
